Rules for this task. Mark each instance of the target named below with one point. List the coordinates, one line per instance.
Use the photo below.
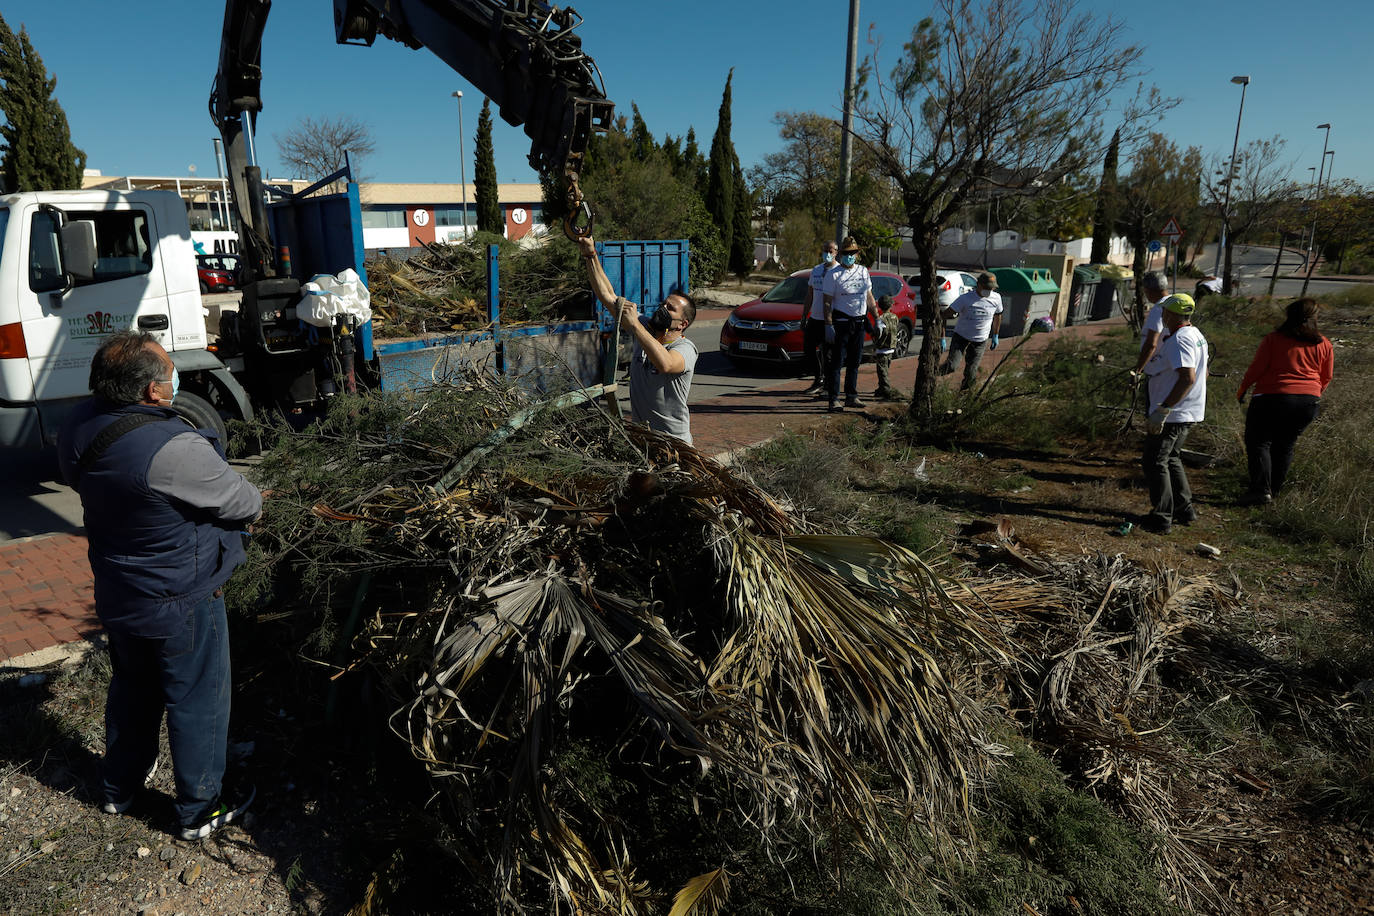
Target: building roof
(372, 193)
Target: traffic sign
(1171, 230)
(1155, 246)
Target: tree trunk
(1138, 268)
(932, 324)
(1226, 285)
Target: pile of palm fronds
(591, 626)
(1120, 658)
(444, 288)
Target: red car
(218, 272)
(769, 328)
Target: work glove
(1135, 377)
(992, 341)
(1154, 424)
(830, 333)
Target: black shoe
(124, 804)
(822, 394)
(228, 809)
(1155, 526)
(1255, 499)
(853, 401)
(1186, 517)
(815, 387)
(835, 407)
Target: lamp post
(462, 163)
(1244, 82)
(223, 188)
(1312, 257)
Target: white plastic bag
(325, 297)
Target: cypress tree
(36, 151)
(484, 172)
(720, 176)
(742, 229)
(693, 164)
(642, 144)
(1104, 220)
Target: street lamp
(1313, 253)
(462, 163)
(1244, 82)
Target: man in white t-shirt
(979, 319)
(814, 347)
(664, 359)
(1177, 376)
(1152, 284)
(848, 299)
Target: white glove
(1154, 424)
(1135, 377)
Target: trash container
(1113, 292)
(1082, 292)
(1028, 293)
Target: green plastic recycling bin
(1028, 293)
(1082, 291)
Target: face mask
(660, 320)
(828, 257)
(848, 260)
(176, 383)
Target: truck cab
(54, 314)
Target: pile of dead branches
(443, 290)
(1117, 657)
(584, 625)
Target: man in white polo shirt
(979, 314)
(814, 346)
(1177, 376)
(848, 298)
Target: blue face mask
(176, 383)
(828, 256)
(848, 260)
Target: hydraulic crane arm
(525, 55)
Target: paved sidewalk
(45, 582)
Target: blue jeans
(188, 676)
(846, 351)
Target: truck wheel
(203, 288)
(198, 410)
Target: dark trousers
(188, 676)
(1272, 426)
(967, 352)
(814, 349)
(1170, 495)
(846, 351)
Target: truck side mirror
(78, 248)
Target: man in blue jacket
(164, 516)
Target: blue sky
(134, 77)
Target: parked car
(769, 328)
(951, 285)
(219, 273)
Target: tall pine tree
(36, 151)
(642, 144)
(694, 168)
(742, 228)
(1104, 222)
(484, 172)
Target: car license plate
(752, 345)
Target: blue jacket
(153, 557)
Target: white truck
(77, 265)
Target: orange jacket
(1284, 365)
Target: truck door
(62, 330)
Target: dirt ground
(296, 852)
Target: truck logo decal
(97, 324)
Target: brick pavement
(45, 582)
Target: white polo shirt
(818, 288)
(848, 288)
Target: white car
(953, 284)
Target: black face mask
(660, 320)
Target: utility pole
(1244, 82)
(462, 163)
(847, 125)
(1312, 258)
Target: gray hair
(123, 366)
(1154, 280)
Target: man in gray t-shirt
(664, 359)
